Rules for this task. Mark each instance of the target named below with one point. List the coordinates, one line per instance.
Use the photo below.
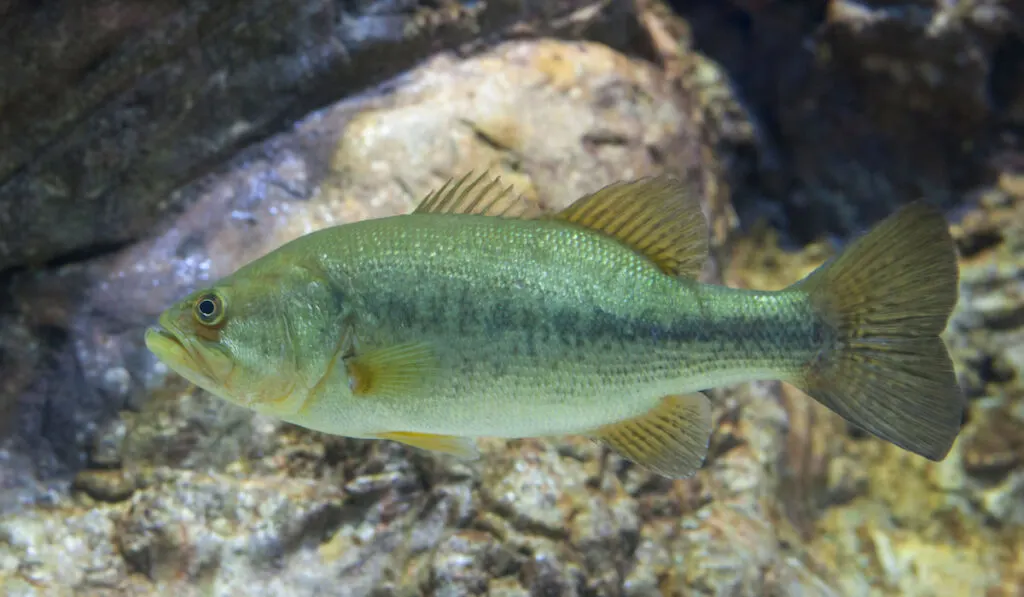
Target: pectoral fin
(392, 371)
(461, 447)
(671, 439)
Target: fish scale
(477, 316)
(637, 334)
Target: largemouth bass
(475, 316)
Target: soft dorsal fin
(658, 217)
(483, 196)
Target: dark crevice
(82, 255)
(765, 54)
(856, 432)
(485, 137)
(1006, 76)
(839, 145)
(521, 523)
(86, 254)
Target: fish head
(253, 340)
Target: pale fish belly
(534, 372)
(524, 369)
(489, 390)
(520, 398)
(539, 383)
(555, 334)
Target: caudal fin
(886, 299)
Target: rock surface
(852, 107)
(888, 523)
(117, 479)
(107, 107)
(554, 119)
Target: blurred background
(151, 146)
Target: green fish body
(472, 317)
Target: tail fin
(887, 298)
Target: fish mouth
(180, 355)
(168, 348)
(161, 342)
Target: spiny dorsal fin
(658, 217)
(483, 196)
(671, 439)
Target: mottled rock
(574, 118)
(184, 494)
(190, 526)
(107, 486)
(554, 119)
(47, 552)
(951, 527)
(67, 333)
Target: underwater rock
(953, 527)
(118, 478)
(203, 493)
(848, 109)
(870, 519)
(554, 119)
(107, 107)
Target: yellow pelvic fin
(671, 439)
(482, 196)
(392, 371)
(658, 217)
(461, 447)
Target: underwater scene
(594, 298)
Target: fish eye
(209, 309)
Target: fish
(480, 315)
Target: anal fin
(461, 447)
(671, 439)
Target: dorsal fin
(482, 196)
(658, 217)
